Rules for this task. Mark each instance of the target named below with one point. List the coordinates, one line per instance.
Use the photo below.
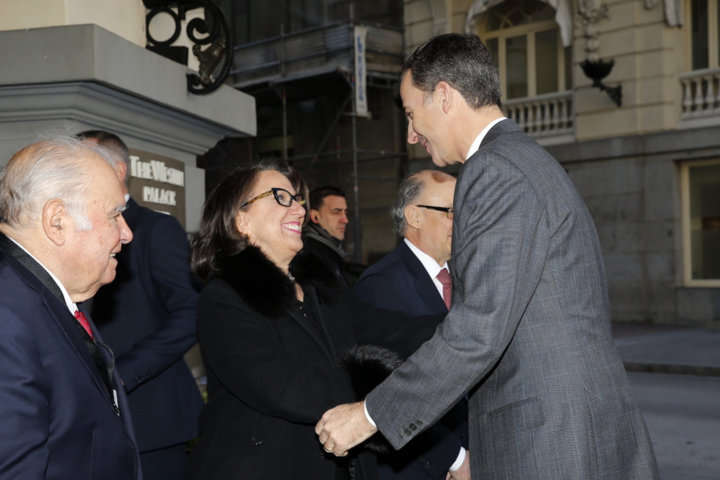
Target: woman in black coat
(271, 351)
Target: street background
(675, 375)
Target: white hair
(46, 170)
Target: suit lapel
(424, 285)
(78, 338)
(17, 253)
(55, 305)
(118, 400)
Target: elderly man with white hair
(61, 225)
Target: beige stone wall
(16, 14)
(648, 58)
(128, 21)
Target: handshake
(346, 426)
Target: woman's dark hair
(217, 237)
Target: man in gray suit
(528, 334)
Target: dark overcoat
(273, 369)
(60, 418)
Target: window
(703, 36)
(700, 190)
(526, 45)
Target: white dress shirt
(429, 264)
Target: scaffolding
(329, 50)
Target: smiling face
(89, 259)
(332, 216)
(272, 228)
(425, 121)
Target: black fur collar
(259, 282)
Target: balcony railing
(549, 117)
(700, 94)
(315, 51)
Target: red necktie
(84, 322)
(444, 277)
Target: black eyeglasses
(449, 211)
(282, 197)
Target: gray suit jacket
(529, 328)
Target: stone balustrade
(700, 94)
(549, 116)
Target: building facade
(645, 156)
(641, 140)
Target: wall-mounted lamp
(596, 71)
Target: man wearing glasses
(414, 279)
(409, 278)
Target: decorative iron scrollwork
(210, 35)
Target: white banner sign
(361, 107)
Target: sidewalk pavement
(668, 349)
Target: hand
(462, 473)
(343, 427)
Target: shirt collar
(66, 296)
(478, 140)
(429, 263)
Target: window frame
(529, 30)
(713, 48)
(688, 281)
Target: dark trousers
(169, 463)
